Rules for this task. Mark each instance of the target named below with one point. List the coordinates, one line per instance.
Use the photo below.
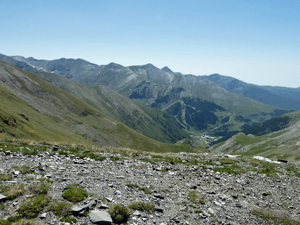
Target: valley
(145, 145)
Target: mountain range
(144, 107)
(198, 104)
(34, 108)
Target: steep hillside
(279, 97)
(161, 88)
(61, 113)
(279, 138)
(150, 122)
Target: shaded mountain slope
(151, 122)
(269, 95)
(284, 91)
(59, 112)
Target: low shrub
(119, 213)
(75, 194)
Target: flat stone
(43, 216)
(2, 197)
(157, 209)
(100, 217)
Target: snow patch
(265, 159)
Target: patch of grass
(270, 170)
(5, 222)
(60, 208)
(75, 194)
(144, 189)
(39, 188)
(2, 206)
(70, 186)
(274, 217)
(115, 159)
(13, 219)
(12, 191)
(33, 206)
(228, 161)
(230, 169)
(196, 197)
(5, 177)
(142, 206)
(26, 222)
(198, 211)
(68, 220)
(23, 169)
(119, 213)
(132, 185)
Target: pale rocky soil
(228, 198)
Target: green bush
(119, 213)
(60, 209)
(142, 206)
(74, 194)
(33, 206)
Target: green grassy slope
(56, 115)
(282, 143)
(150, 122)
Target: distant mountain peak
(167, 69)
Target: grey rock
(2, 197)
(100, 217)
(43, 216)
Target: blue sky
(257, 41)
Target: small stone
(103, 206)
(2, 197)
(157, 209)
(211, 211)
(109, 199)
(136, 213)
(43, 216)
(16, 172)
(158, 196)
